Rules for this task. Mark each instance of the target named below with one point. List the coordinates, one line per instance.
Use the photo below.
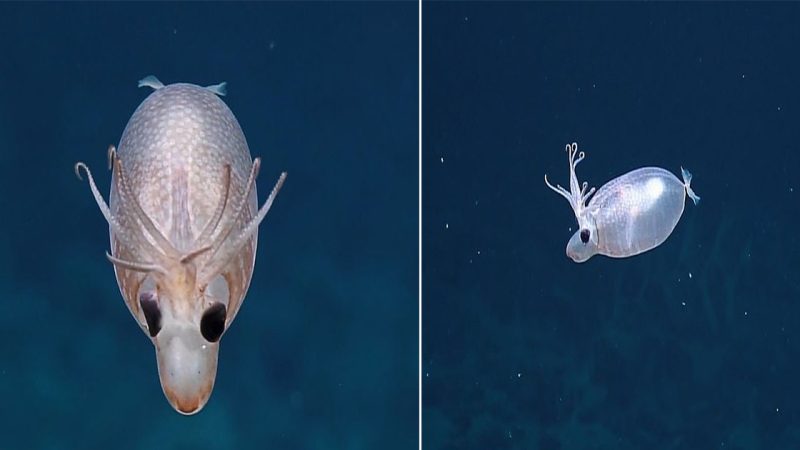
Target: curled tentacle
(577, 194)
(572, 150)
(574, 186)
(112, 155)
(98, 197)
(113, 223)
(584, 194)
(580, 157)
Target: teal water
(327, 335)
(693, 345)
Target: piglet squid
(183, 223)
(630, 214)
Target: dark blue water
(693, 345)
(323, 353)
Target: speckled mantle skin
(183, 223)
(173, 149)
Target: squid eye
(149, 304)
(212, 324)
(585, 235)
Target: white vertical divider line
(419, 215)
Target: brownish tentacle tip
(190, 256)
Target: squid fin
(687, 181)
(152, 82)
(219, 89)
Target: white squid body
(630, 214)
(183, 222)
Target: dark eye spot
(585, 235)
(152, 314)
(212, 324)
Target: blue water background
(693, 345)
(323, 353)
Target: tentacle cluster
(217, 239)
(155, 250)
(578, 194)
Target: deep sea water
(693, 345)
(323, 353)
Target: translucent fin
(687, 181)
(687, 176)
(151, 82)
(219, 89)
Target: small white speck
(779, 108)
(509, 435)
(594, 85)
(777, 410)
(427, 374)
(441, 159)
(519, 374)
(791, 189)
(745, 313)
(479, 252)
(470, 260)
(743, 76)
(466, 18)
(690, 274)
(683, 303)
(447, 226)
